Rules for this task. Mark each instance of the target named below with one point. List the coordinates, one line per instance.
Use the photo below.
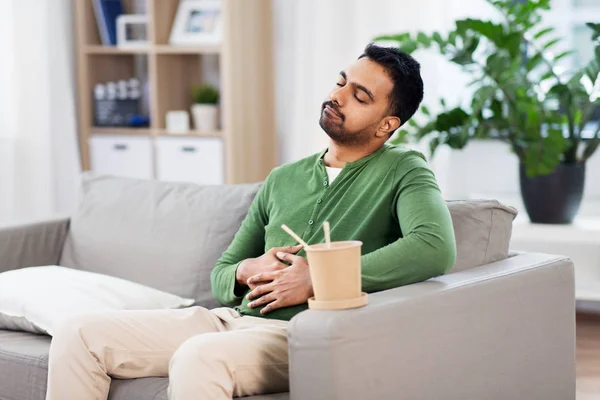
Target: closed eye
(355, 96)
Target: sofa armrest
(32, 244)
(504, 330)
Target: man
(383, 195)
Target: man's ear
(388, 126)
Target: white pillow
(36, 299)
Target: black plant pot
(554, 198)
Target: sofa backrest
(482, 229)
(170, 235)
(160, 234)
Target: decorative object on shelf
(118, 104)
(178, 122)
(547, 116)
(107, 12)
(205, 110)
(132, 31)
(198, 22)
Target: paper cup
(335, 271)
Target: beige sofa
(496, 327)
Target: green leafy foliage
(205, 94)
(519, 97)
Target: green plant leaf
(542, 156)
(496, 108)
(433, 145)
(436, 37)
(408, 46)
(547, 75)
(563, 55)
(452, 38)
(481, 97)
(401, 136)
(543, 32)
(592, 70)
(512, 43)
(534, 61)
(451, 119)
(401, 37)
(595, 30)
(425, 110)
(423, 39)
(205, 94)
(492, 31)
(462, 58)
(550, 44)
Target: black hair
(405, 72)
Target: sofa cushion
(161, 234)
(482, 229)
(23, 365)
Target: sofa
(498, 326)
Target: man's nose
(336, 97)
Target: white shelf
(579, 241)
(590, 293)
(582, 231)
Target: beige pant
(207, 354)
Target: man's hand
(286, 287)
(268, 262)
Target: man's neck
(337, 155)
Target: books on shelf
(107, 12)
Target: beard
(334, 128)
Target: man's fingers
(263, 277)
(252, 286)
(271, 306)
(287, 257)
(259, 291)
(267, 298)
(276, 266)
(287, 249)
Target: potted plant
(204, 109)
(521, 98)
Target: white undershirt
(332, 173)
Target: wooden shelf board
(99, 49)
(192, 134)
(100, 130)
(167, 49)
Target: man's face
(359, 101)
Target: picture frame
(132, 31)
(197, 22)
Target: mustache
(335, 108)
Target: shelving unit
(241, 66)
